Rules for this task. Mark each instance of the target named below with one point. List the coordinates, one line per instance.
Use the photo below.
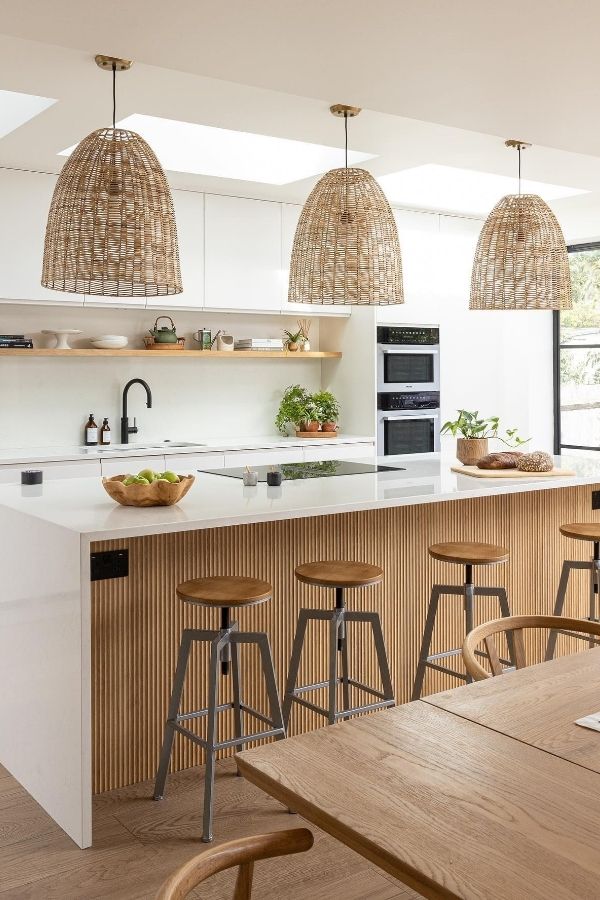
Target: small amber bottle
(105, 433)
(91, 432)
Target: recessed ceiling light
(221, 153)
(16, 109)
(461, 190)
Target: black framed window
(577, 356)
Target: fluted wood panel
(137, 621)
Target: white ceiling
(440, 82)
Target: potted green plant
(472, 435)
(293, 339)
(310, 422)
(292, 408)
(328, 410)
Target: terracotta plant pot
(310, 426)
(470, 450)
(292, 346)
(329, 426)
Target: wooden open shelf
(179, 354)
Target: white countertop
(82, 506)
(29, 455)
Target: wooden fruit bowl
(159, 493)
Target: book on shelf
(13, 343)
(259, 344)
(13, 337)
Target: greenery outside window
(577, 356)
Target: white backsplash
(45, 402)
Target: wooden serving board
(474, 472)
(317, 434)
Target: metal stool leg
(303, 619)
(271, 684)
(469, 589)
(237, 694)
(505, 612)
(174, 704)
(345, 667)
(211, 734)
(559, 606)
(426, 642)
(334, 626)
(382, 659)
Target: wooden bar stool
(467, 554)
(583, 531)
(339, 576)
(224, 593)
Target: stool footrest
(223, 745)
(580, 637)
(343, 714)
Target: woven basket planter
(521, 260)
(346, 248)
(111, 226)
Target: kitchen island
(86, 666)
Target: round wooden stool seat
(224, 590)
(582, 531)
(339, 574)
(469, 553)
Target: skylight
(16, 109)
(221, 153)
(461, 190)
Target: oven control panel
(412, 400)
(407, 334)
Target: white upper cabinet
(189, 217)
(25, 201)
(242, 254)
(289, 220)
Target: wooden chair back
(243, 853)
(516, 624)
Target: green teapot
(164, 335)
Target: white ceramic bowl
(109, 342)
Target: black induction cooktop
(297, 471)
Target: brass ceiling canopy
(521, 260)
(111, 226)
(107, 63)
(346, 248)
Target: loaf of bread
(538, 461)
(505, 460)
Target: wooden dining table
(487, 791)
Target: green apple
(129, 479)
(141, 480)
(148, 474)
(170, 476)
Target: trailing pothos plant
(470, 426)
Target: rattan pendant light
(111, 226)
(346, 248)
(521, 260)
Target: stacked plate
(109, 342)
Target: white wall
(45, 401)
(497, 362)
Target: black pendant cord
(346, 139)
(114, 74)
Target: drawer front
(87, 468)
(190, 463)
(125, 465)
(338, 451)
(264, 457)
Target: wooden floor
(137, 842)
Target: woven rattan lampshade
(346, 248)
(111, 227)
(521, 260)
